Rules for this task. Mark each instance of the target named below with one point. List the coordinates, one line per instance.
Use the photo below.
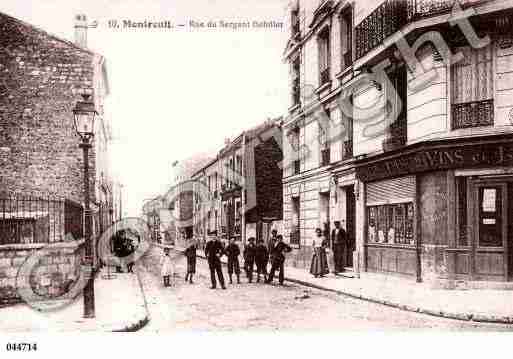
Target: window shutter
(391, 191)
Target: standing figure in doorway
(278, 262)
(338, 240)
(214, 251)
(249, 258)
(232, 251)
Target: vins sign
(437, 158)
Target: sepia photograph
(243, 166)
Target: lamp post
(84, 115)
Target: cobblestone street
(262, 307)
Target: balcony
(392, 15)
(347, 149)
(472, 114)
(381, 23)
(325, 157)
(325, 76)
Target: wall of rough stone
(57, 268)
(41, 78)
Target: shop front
(440, 211)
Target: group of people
(338, 243)
(256, 256)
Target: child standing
(167, 267)
(190, 253)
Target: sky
(175, 92)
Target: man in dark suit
(261, 259)
(338, 240)
(249, 258)
(214, 251)
(278, 261)
(232, 251)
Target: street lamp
(84, 115)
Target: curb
(474, 317)
(134, 327)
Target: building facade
(41, 171)
(238, 194)
(426, 189)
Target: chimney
(227, 141)
(81, 31)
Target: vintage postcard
(262, 166)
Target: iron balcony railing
(472, 114)
(392, 15)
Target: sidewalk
(479, 305)
(120, 306)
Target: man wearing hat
(214, 251)
(249, 258)
(338, 239)
(278, 262)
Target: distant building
(241, 193)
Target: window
(346, 29)
(295, 23)
(397, 104)
(490, 217)
(324, 145)
(391, 223)
(324, 56)
(296, 81)
(295, 227)
(293, 137)
(472, 88)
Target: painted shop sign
(433, 159)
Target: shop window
(391, 223)
(490, 217)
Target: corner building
(431, 171)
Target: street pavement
(258, 306)
(120, 306)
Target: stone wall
(56, 269)
(41, 81)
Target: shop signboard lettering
(434, 159)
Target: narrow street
(262, 307)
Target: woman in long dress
(166, 267)
(319, 266)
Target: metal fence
(28, 219)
